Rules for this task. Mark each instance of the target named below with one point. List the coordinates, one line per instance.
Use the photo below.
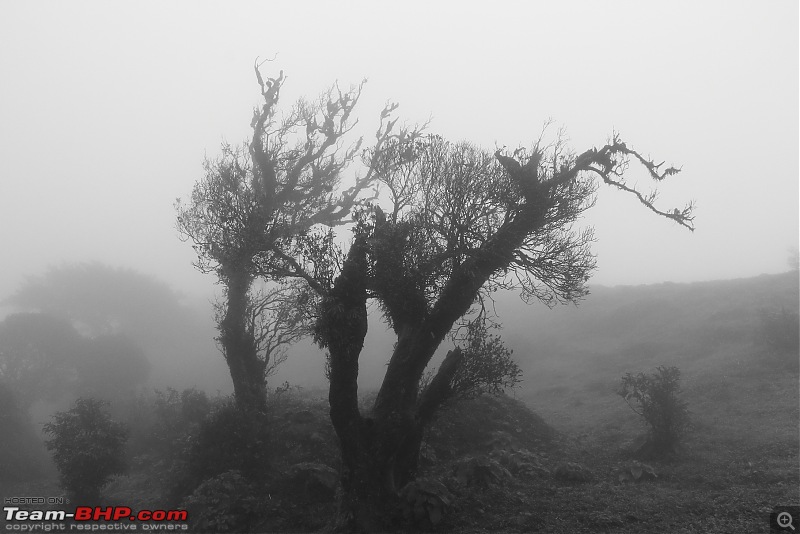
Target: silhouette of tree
(261, 206)
(463, 223)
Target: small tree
(655, 397)
(88, 448)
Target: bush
(162, 429)
(178, 415)
(88, 448)
(655, 398)
(309, 482)
(224, 503)
(229, 439)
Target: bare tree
(260, 205)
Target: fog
(107, 111)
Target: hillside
(685, 320)
(741, 455)
(702, 327)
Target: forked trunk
(380, 450)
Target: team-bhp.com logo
(125, 518)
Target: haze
(108, 109)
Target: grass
(739, 459)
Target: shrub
(178, 415)
(487, 366)
(229, 439)
(88, 448)
(224, 503)
(309, 482)
(655, 398)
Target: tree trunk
(380, 451)
(380, 455)
(375, 466)
(239, 346)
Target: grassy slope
(741, 457)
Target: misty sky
(107, 110)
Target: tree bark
(376, 464)
(380, 455)
(379, 451)
(239, 346)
